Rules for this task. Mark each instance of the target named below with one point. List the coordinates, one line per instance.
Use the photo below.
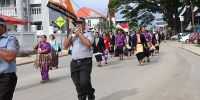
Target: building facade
(40, 18)
(95, 21)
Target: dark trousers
(80, 73)
(8, 82)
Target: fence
(27, 39)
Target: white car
(185, 37)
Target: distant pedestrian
(98, 48)
(9, 46)
(148, 38)
(81, 64)
(120, 42)
(54, 51)
(128, 44)
(107, 46)
(112, 43)
(157, 38)
(44, 57)
(139, 43)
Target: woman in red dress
(107, 45)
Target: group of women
(146, 44)
(143, 43)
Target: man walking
(9, 46)
(81, 64)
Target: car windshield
(184, 34)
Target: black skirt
(119, 49)
(140, 56)
(98, 57)
(111, 49)
(146, 53)
(157, 47)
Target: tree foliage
(171, 9)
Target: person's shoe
(43, 81)
(148, 60)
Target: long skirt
(44, 62)
(119, 49)
(105, 54)
(147, 52)
(157, 48)
(111, 49)
(140, 56)
(98, 57)
(54, 62)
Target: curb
(28, 62)
(190, 51)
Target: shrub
(26, 53)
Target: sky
(97, 5)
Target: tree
(171, 9)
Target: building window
(7, 3)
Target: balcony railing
(35, 10)
(8, 11)
(35, 14)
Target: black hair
(44, 36)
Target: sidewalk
(188, 47)
(27, 60)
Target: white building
(95, 20)
(36, 12)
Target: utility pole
(28, 14)
(192, 8)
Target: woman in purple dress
(43, 58)
(120, 42)
(148, 38)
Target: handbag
(35, 64)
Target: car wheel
(195, 41)
(187, 41)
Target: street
(174, 74)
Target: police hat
(80, 20)
(2, 21)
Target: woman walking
(139, 43)
(157, 38)
(107, 45)
(44, 58)
(112, 43)
(98, 48)
(54, 51)
(120, 42)
(148, 38)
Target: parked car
(185, 37)
(174, 37)
(193, 37)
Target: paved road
(174, 74)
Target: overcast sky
(98, 5)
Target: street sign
(60, 21)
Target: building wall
(36, 1)
(92, 23)
(40, 14)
